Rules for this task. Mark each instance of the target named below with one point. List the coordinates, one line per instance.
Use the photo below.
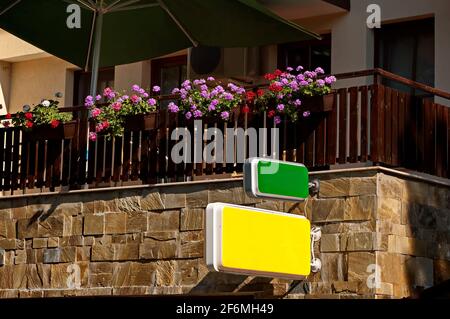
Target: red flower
(54, 123)
(260, 92)
(8, 116)
(277, 72)
(105, 124)
(271, 114)
(270, 76)
(6, 123)
(28, 115)
(275, 88)
(29, 124)
(246, 109)
(251, 96)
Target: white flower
(46, 103)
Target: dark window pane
(407, 49)
(82, 83)
(309, 54)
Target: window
(169, 73)
(407, 49)
(82, 83)
(309, 54)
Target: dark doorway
(407, 49)
(309, 54)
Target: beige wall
(5, 75)
(34, 80)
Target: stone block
(192, 249)
(334, 267)
(2, 257)
(83, 253)
(126, 252)
(334, 187)
(19, 276)
(161, 235)
(128, 201)
(115, 223)
(392, 268)
(136, 222)
(102, 253)
(367, 241)
(52, 255)
(69, 208)
(192, 218)
(143, 274)
(390, 187)
(358, 265)
(360, 208)
(27, 228)
(52, 226)
(53, 242)
(389, 209)
(77, 226)
(10, 244)
(407, 246)
(417, 192)
(165, 273)
(270, 205)
(40, 242)
(328, 210)
(121, 275)
(158, 249)
(7, 228)
(344, 287)
(164, 221)
(151, 201)
(71, 241)
(226, 193)
(197, 196)
(94, 224)
(173, 199)
(330, 243)
(21, 257)
(188, 272)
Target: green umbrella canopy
(135, 30)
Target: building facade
(412, 43)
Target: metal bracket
(314, 187)
(316, 264)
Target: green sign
(275, 179)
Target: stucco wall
(34, 80)
(141, 241)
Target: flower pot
(315, 104)
(46, 132)
(141, 122)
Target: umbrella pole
(94, 75)
(96, 53)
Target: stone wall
(140, 241)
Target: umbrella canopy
(134, 30)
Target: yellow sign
(260, 242)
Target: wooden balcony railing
(369, 123)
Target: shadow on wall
(421, 242)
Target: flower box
(62, 131)
(141, 122)
(317, 104)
